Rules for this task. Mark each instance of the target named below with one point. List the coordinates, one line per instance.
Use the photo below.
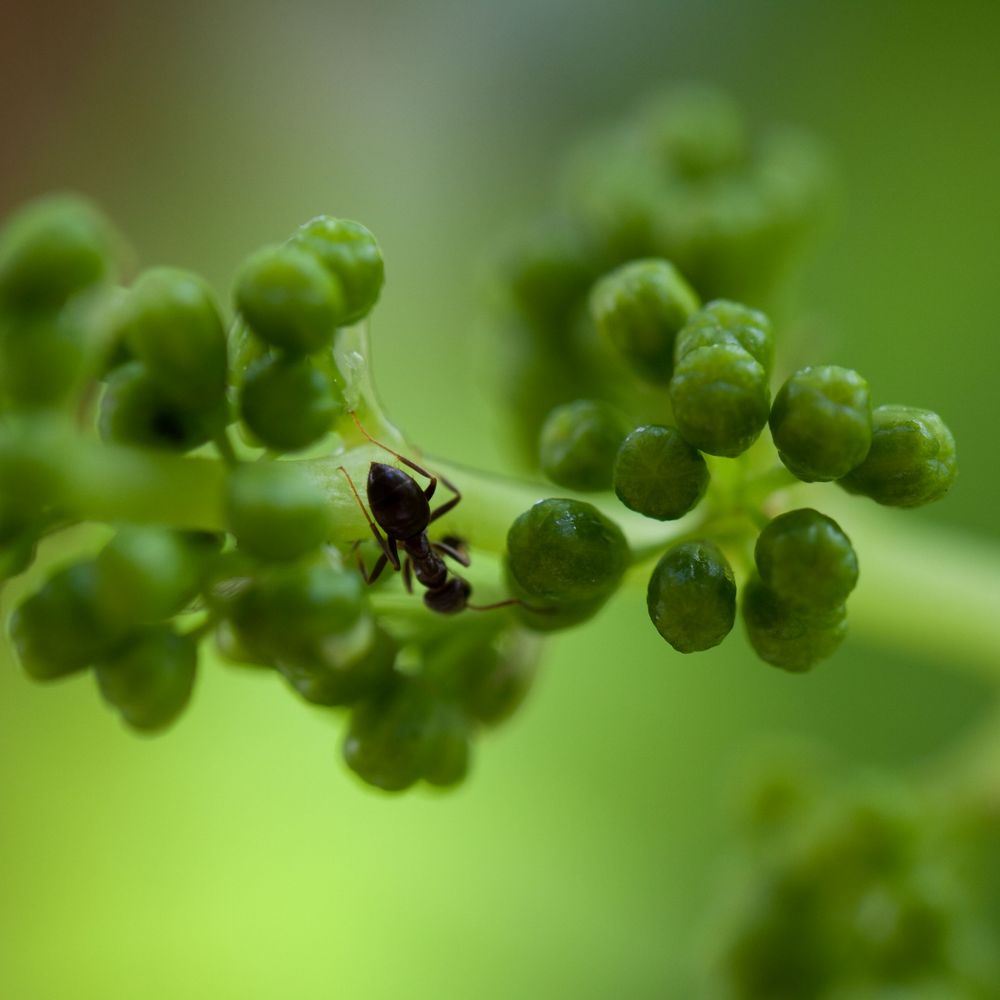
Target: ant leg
(376, 571)
(421, 471)
(449, 550)
(407, 575)
(388, 548)
(497, 604)
(449, 504)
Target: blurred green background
(236, 857)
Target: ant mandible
(402, 510)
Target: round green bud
(147, 574)
(658, 474)
(566, 551)
(288, 404)
(344, 679)
(697, 132)
(42, 359)
(494, 683)
(169, 320)
(276, 511)
(720, 399)
(821, 422)
(52, 248)
(578, 444)
(448, 751)
(151, 680)
(289, 608)
(691, 597)
(912, 459)
(245, 350)
(806, 558)
(289, 299)
(723, 322)
(351, 254)
(59, 629)
(134, 411)
(639, 308)
(546, 276)
(391, 737)
(34, 454)
(787, 635)
(17, 553)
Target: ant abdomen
(450, 598)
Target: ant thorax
(428, 567)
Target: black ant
(402, 510)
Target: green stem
(923, 588)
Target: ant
(402, 510)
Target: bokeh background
(236, 856)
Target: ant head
(449, 599)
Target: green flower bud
(821, 422)
(546, 276)
(42, 359)
(691, 597)
(59, 629)
(658, 474)
(151, 680)
(494, 683)
(391, 738)
(289, 608)
(351, 254)
(448, 752)
(639, 308)
(170, 322)
(697, 132)
(566, 552)
(50, 249)
(806, 558)
(912, 459)
(578, 444)
(17, 553)
(276, 511)
(134, 411)
(720, 398)
(344, 679)
(146, 575)
(288, 404)
(787, 635)
(289, 299)
(722, 322)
